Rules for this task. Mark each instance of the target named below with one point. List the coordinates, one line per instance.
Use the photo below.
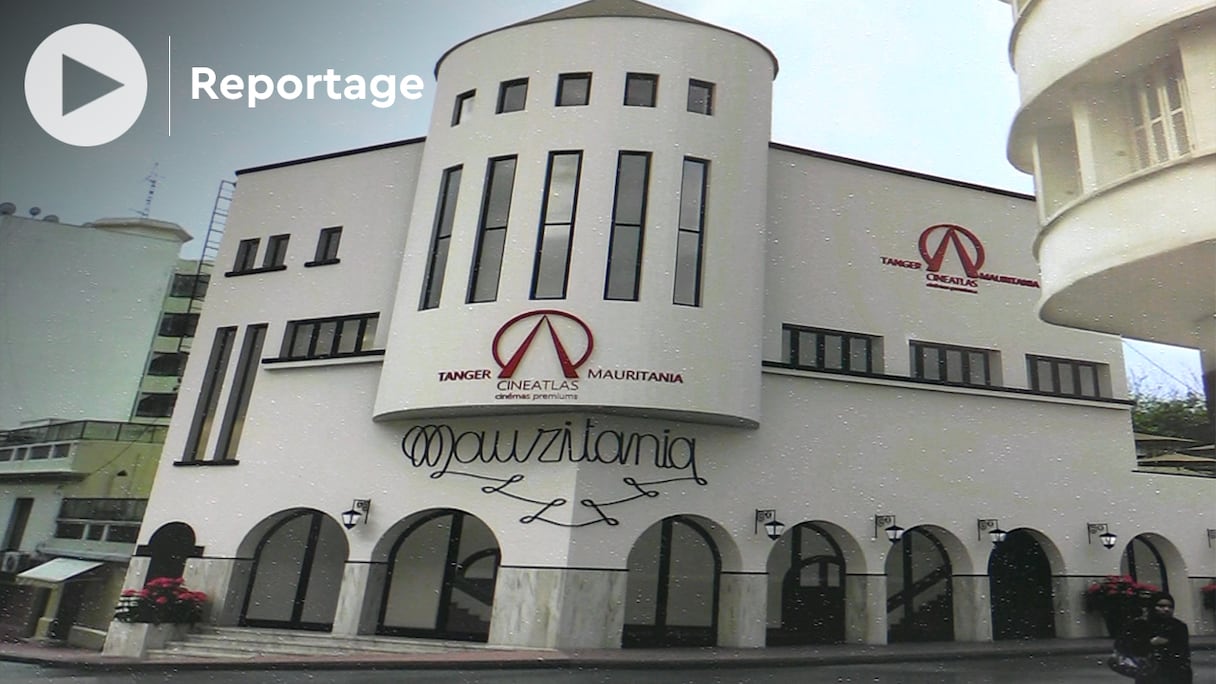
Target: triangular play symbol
(83, 84)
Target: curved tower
(588, 229)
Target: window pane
(573, 89)
(929, 363)
(369, 333)
(444, 216)
(631, 188)
(348, 335)
(640, 90)
(833, 352)
(1067, 386)
(808, 349)
(302, 340)
(688, 268)
(498, 205)
(551, 263)
(1089, 381)
(954, 366)
(325, 338)
(1043, 380)
(489, 263)
(623, 262)
(563, 178)
(859, 354)
(978, 372)
(700, 97)
(463, 107)
(691, 200)
(512, 96)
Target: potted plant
(151, 617)
(1119, 598)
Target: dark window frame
(653, 96)
(708, 87)
(798, 357)
(942, 363)
(177, 324)
(504, 94)
(209, 394)
(190, 285)
(458, 113)
(276, 252)
(328, 242)
(564, 79)
(233, 422)
(167, 364)
(246, 256)
(1074, 368)
(640, 227)
(485, 231)
(441, 238)
(546, 224)
(699, 232)
(155, 404)
(313, 327)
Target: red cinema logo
(966, 245)
(566, 332)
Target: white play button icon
(85, 85)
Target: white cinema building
(571, 354)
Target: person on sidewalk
(1162, 637)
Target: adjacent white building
(560, 362)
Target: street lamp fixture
(992, 528)
(359, 509)
(886, 523)
(767, 518)
(1105, 536)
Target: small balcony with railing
(73, 450)
(100, 528)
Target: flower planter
(133, 639)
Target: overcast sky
(921, 85)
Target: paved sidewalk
(59, 656)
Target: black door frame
(660, 634)
(1041, 622)
(306, 562)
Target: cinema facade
(565, 363)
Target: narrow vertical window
(276, 251)
(573, 90)
(551, 270)
(463, 107)
(512, 96)
(628, 222)
(690, 238)
(242, 389)
(441, 236)
(641, 90)
(246, 252)
(1159, 114)
(327, 247)
(209, 394)
(700, 97)
(492, 230)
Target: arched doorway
(440, 582)
(920, 599)
(169, 547)
(806, 590)
(1019, 582)
(1143, 562)
(674, 576)
(297, 573)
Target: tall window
(276, 251)
(628, 222)
(492, 230)
(952, 365)
(641, 90)
(178, 324)
(512, 95)
(700, 97)
(573, 90)
(1159, 114)
(209, 395)
(242, 390)
(832, 350)
(246, 253)
(551, 269)
(463, 107)
(1065, 376)
(324, 338)
(155, 404)
(441, 236)
(327, 247)
(190, 285)
(167, 363)
(690, 238)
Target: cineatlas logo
(381, 89)
(532, 323)
(936, 243)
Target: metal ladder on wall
(206, 260)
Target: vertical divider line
(169, 95)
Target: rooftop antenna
(152, 179)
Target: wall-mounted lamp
(886, 524)
(1107, 537)
(358, 511)
(767, 518)
(991, 527)
(1211, 537)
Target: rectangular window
(209, 394)
(190, 285)
(690, 238)
(155, 404)
(1066, 377)
(327, 247)
(551, 270)
(573, 90)
(628, 221)
(246, 254)
(169, 364)
(830, 350)
(463, 107)
(17, 522)
(512, 95)
(242, 390)
(700, 97)
(276, 252)
(492, 230)
(951, 365)
(325, 338)
(178, 324)
(441, 236)
(641, 90)
(1159, 114)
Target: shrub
(162, 600)
(1116, 592)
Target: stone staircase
(244, 643)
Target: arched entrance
(1143, 562)
(169, 547)
(297, 573)
(441, 575)
(1019, 581)
(674, 575)
(920, 599)
(806, 590)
